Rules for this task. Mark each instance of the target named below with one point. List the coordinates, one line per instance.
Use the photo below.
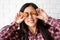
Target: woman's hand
(42, 14)
(19, 17)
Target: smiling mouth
(31, 21)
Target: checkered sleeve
(54, 22)
(55, 27)
(7, 30)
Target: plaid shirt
(10, 32)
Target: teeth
(30, 21)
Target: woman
(34, 25)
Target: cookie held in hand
(25, 14)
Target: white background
(9, 8)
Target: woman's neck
(33, 29)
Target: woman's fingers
(19, 17)
(41, 14)
(16, 16)
(38, 11)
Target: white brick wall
(8, 9)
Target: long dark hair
(41, 26)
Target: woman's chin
(31, 25)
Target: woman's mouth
(31, 21)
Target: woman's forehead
(29, 8)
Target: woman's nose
(30, 16)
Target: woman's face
(30, 19)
